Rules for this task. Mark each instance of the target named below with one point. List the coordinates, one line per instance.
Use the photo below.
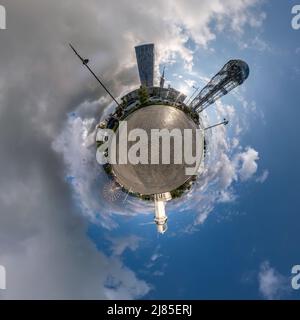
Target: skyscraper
(145, 60)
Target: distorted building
(145, 61)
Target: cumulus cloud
(41, 232)
(227, 163)
(263, 177)
(158, 263)
(119, 245)
(48, 172)
(272, 285)
(125, 285)
(249, 163)
(155, 256)
(87, 178)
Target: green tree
(143, 95)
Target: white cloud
(249, 163)
(226, 171)
(155, 256)
(263, 177)
(87, 177)
(190, 82)
(119, 245)
(57, 260)
(272, 285)
(255, 44)
(125, 286)
(227, 163)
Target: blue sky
(222, 259)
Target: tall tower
(160, 212)
(233, 74)
(162, 79)
(145, 60)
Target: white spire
(160, 213)
(162, 79)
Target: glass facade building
(145, 60)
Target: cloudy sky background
(61, 236)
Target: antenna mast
(224, 122)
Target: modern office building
(145, 60)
